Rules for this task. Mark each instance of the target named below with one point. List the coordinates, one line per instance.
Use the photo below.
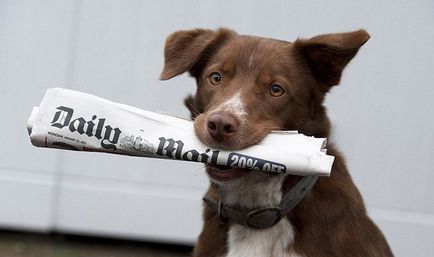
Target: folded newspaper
(73, 120)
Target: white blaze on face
(234, 105)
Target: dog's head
(248, 86)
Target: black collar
(262, 218)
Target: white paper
(73, 120)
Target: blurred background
(383, 115)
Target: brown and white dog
(248, 86)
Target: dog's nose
(221, 125)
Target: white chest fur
(272, 242)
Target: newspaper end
(31, 119)
(322, 164)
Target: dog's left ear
(327, 55)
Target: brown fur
(331, 220)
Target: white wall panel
(33, 56)
(131, 210)
(26, 200)
(34, 42)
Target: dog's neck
(257, 190)
(254, 190)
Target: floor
(17, 244)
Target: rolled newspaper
(73, 120)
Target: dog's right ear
(185, 48)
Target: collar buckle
(264, 218)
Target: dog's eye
(276, 90)
(215, 78)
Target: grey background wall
(382, 111)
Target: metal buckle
(264, 218)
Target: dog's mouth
(223, 173)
